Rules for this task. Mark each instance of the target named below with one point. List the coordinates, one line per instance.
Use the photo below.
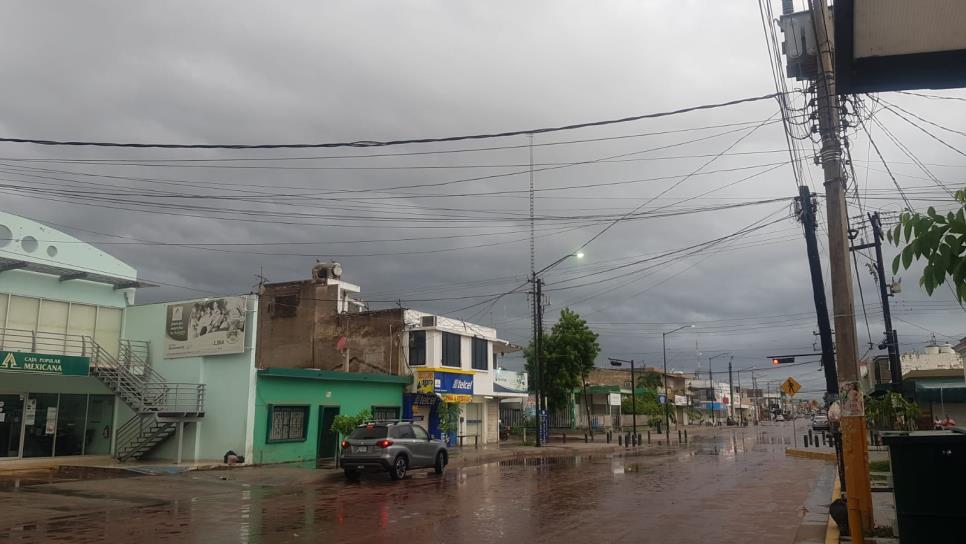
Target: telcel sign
(455, 387)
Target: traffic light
(782, 360)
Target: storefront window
(71, 419)
(40, 424)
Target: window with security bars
(385, 413)
(287, 423)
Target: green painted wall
(351, 397)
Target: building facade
(321, 324)
(62, 311)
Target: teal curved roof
(30, 245)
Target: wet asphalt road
(733, 486)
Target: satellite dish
(336, 270)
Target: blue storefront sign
(457, 384)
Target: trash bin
(929, 479)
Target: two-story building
(321, 325)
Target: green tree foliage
(938, 239)
(344, 423)
(651, 380)
(568, 355)
(647, 405)
(891, 412)
(449, 417)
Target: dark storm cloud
(229, 72)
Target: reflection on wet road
(733, 486)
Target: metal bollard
(620, 440)
(685, 436)
(679, 436)
(823, 439)
(565, 438)
(807, 440)
(586, 438)
(639, 439)
(648, 437)
(627, 440)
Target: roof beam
(73, 276)
(126, 285)
(13, 265)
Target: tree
(940, 240)
(650, 380)
(891, 412)
(646, 404)
(568, 355)
(344, 423)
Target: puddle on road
(18, 480)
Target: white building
(934, 357)
(459, 363)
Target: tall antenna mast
(533, 258)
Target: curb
(806, 454)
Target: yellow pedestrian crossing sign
(791, 386)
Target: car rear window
(369, 431)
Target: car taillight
(345, 444)
(384, 443)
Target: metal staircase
(159, 406)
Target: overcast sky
(246, 73)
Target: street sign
(662, 399)
(790, 386)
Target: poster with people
(214, 326)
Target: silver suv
(392, 447)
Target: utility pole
(714, 392)
(541, 398)
(537, 325)
(731, 390)
(818, 293)
(855, 447)
(892, 340)
(754, 390)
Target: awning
(600, 389)
(941, 391)
(68, 274)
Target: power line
(376, 143)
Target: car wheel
(440, 463)
(352, 474)
(399, 466)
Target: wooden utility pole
(855, 447)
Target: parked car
(820, 423)
(391, 447)
(779, 417)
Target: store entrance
(11, 415)
(55, 424)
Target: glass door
(40, 424)
(11, 417)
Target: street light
(538, 334)
(619, 362)
(667, 412)
(714, 391)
